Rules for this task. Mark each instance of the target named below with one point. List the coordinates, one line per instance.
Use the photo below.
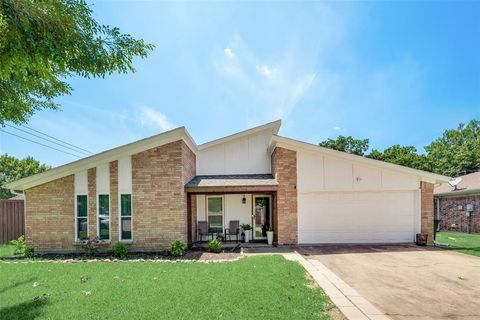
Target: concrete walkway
(347, 299)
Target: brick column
(284, 168)
(92, 202)
(114, 210)
(426, 209)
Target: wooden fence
(12, 220)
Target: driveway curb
(347, 299)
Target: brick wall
(453, 213)
(189, 169)
(114, 210)
(50, 215)
(426, 209)
(92, 202)
(159, 199)
(284, 168)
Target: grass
(264, 287)
(461, 242)
(6, 250)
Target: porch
(219, 203)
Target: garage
(357, 217)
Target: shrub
(120, 250)
(177, 248)
(246, 227)
(91, 247)
(215, 245)
(22, 249)
(29, 251)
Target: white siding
(103, 179)
(234, 209)
(343, 201)
(244, 155)
(125, 175)
(81, 182)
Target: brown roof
(238, 180)
(469, 183)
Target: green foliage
(456, 151)
(120, 250)
(12, 169)
(21, 248)
(404, 156)
(246, 227)
(90, 247)
(44, 42)
(346, 144)
(177, 248)
(215, 245)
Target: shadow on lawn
(23, 311)
(16, 284)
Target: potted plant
(247, 229)
(270, 235)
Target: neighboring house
(459, 206)
(153, 191)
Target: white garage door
(361, 217)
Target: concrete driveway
(407, 282)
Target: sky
(393, 72)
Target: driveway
(407, 282)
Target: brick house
(156, 190)
(458, 206)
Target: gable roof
(470, 183)
(106, 156)
(274, 126)
(293, 144)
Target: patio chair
(233, 230)
(202, 230)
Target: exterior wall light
(244, 200)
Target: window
(81, 220)
(126, 217)
(104, 217)
(215, 214)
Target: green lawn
(461, 242)
(6, 250)
(266, 287)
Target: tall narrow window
(126, 217)
(103, 217)
(82, 217)
(215, 214)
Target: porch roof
(232, 183)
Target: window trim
(77, 217)
(120, 217)
(223, 210)
(109, 217)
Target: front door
(262, 216)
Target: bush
(177, 248)
(29, 251)
(22, 249)
(91, 247)
(215, 245)
(120, 250)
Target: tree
(457, 151)
(346, 144)
(44, 42)
(12, 169)
(402, 155)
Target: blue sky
(394, 72)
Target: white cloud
(336, 128)
(153, 117)
(265, 71)
(228, 52)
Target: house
(153, 191)
(458, 206)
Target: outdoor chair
(202, 230)
(233, 230)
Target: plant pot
(270, 237)
(248, 234)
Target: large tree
(404, 156)
(44, 42)
(346, 144)
(12, 169)
(457, 151)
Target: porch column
(426, 209)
